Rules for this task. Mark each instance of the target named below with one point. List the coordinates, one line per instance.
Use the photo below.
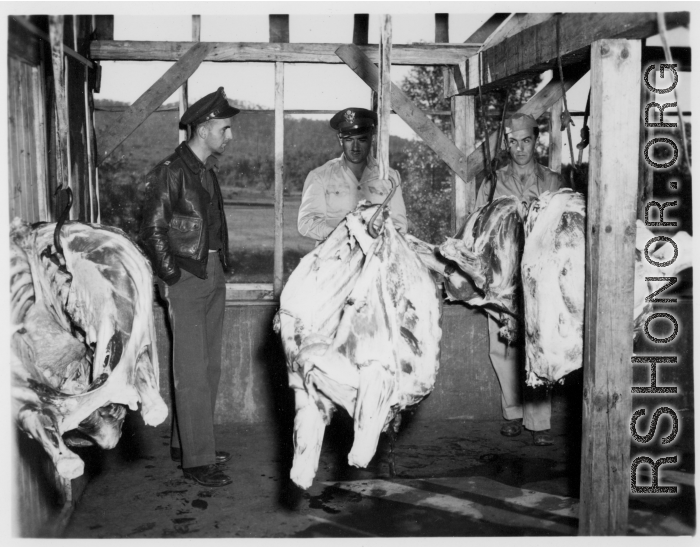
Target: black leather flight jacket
(175, 226)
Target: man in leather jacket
(185, 236)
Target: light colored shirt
(540, 179)
(332, 191)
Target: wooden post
(279, 28)
(360, 29)
(442, 35)
(646, 173)
(279, 180)
(555, 136)
(60, 112)
(610, 255)
(184, 90)
(384, 109)
(104, 27)
(463, 197)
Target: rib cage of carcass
(83, 343)
(553, 276)
(487, 250)
(360, 324)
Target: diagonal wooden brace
(407, 110)
(147, 103)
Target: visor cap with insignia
(210, 107)
(520, 121)
(354, 121)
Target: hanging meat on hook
(487, 250)
(553, 270)
(360, 324)
(83, 337)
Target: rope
(669, 60)
(566, 119)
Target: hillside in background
(248, 162)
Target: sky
(307, 86)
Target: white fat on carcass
(553, 276)
(86, 344)
(359, 321)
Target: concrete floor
(452, 478)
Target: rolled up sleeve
(311, 221)
(397, 205)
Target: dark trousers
(196, 310)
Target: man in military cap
(526, 179)
(184, 234)
(334, 189)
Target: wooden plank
(59, 99)
(534, 49)
(463, 191)
(40, 150)
(407, 110)
(536, 106)
(516, 23)
(488, 28)
(442, 27)
(384, 95)
(278, 256)
(610, 264)
(279, 28)
(104, 27)
(68, 51)
(130, 120)
(184, 102)
(555, 135)
(360, 29)
(264, 52)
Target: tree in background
(427, 181)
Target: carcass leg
(313, 414)
(371, 411)
(39, 425)
(153, 408)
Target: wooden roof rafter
(533, 50)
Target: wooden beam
(555, 136)
(610, 265)
(60, 103)
(536, 106)
(534, 49)
(442, 27)
(384, 95)
(130, 120)
(360, 29)
(279, 29)
(488, 28)
(263, 52)
(104, 27)
(517, 22)
(463, 196)
(278, 257)
(184, 102)
(41, 34)
(407, 110)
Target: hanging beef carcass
(83, 337)
(553, 276)
(487, 250)
(359, 321)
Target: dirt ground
(452, 478)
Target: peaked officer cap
(212, 106)
(353, 121)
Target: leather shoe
(542, 438)
(221, 456)
(512, 428)
(207, 475)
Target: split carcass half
(553, 276)
(487, 250)
(360, 324)
(82, 344)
